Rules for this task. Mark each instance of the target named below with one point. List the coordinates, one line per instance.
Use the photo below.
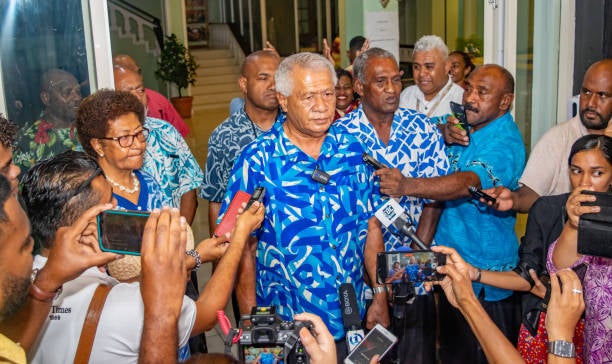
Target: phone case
(378, 341)
(229, 219)
(101, 233)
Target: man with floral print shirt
(54, 132)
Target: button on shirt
(415, 147)
(483, 236)
(313, 235)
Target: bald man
(54, 132)
(547, 170)
(259, 113)
(158, 106)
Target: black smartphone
(377, 342)
(120, 231)
(477, 194)
(459, 112)
(258, 195)
(368, 159)
(409, 266)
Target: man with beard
(8, 134)
(547, 172)
(434, 89)
(259, 113)
(484, 237)
(54, 132)
(26, 295)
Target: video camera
(265, 334)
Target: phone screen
(121, 231)
(378, 341)
(412, 266)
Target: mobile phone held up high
(120, 231)
(409, 266)
(229, 218)
(377, 342)
(459, 112)
(477, 194)
(372, 162)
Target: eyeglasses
(126, 141)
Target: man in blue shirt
(319, 230)
(407, 141)
(495, 156)
(258, 114)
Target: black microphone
(391, 213)
(350, 315)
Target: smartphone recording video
(377, 342)
(120, 231)
(412, 266)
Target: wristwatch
(562, 348)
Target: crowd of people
(301, 131)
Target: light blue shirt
(483, 236)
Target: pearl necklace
(123, 188)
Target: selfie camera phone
(120, 231)
(458, 111)
(372, 162)
(229, 218)
(478, 194)
(408, 266)
(378, 341)
(258, 195)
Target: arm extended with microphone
(391, 213)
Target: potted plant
(176, 65)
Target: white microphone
(392, 213)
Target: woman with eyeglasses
(110, 128)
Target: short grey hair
(283, 77)
(359, 64)
(430, 42)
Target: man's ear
(506, 102)
(242, 83)
(358, 87)
(44, 97)
(447, 65)
(282, 101)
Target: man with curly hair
(8, 135)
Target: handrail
(239, 38)
(148, 17)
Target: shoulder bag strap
(88, 333)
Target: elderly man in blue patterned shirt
(317, 232)
(407, 141)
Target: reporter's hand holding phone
(457, 283)
(75, 249)
(162, 282)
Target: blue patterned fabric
(224, 145)
(149, 198)
(415, 147)
(483, 236)
(170, 162)
(313, 235)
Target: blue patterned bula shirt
(313, 235)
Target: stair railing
(141, 18)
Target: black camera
(266, 337)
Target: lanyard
(442, 96)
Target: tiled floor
(201, 125)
